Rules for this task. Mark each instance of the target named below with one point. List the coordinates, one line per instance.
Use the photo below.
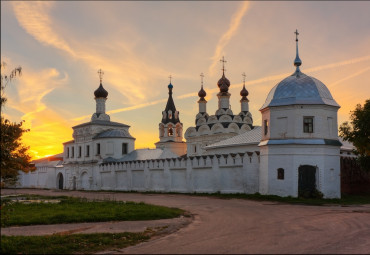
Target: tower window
(280, 174)
(308, 124)
(98, 149)
(87, 150)
(67, 152)
(73, 152)
(195, 148)
(170, 131)
(124, 148)
(266, 126)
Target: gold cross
(223, 63)
(101, 73)
(170, 78)
(243, 74)
(202, 76)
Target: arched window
(170, 131)
(280, 174)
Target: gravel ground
(243, 226)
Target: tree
(13, 154)
(358, 133)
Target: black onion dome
(222, 81)
(101, 92)
(202, 93)
(224, 88)
(244, 92)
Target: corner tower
(170, 128)
(299, 146)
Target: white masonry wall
(229, 173)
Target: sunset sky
(61, 45)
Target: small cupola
(244, 92)
(101, 92)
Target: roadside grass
(345, 200)
(69, 244)
(73, 210)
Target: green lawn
(72, 210)
(68, 244)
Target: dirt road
(243, 226)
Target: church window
(266, 126)
(308, 124)
(67, 152)
(87, 150)
(124, 148)
(170, 131)
(79, 151)
(195, 148)
(98, 149)
(280, 174)
(73, 152)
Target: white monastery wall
(228, 173)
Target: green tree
(358, 133)
(13, 154)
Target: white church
(295, 151)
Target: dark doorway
(74, 183)
(60, 181)
(306, 181)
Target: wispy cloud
(227, 36)
(249, 83)
(34, 18)
(48, 128)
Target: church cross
(296, 35)
(243, 74)
(223, 64)
(101, 73)
(170, 78)
(202, 76)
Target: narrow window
(280, 174)
(124, 148)
(79, 151)
(87, 150)
(266, 125)
(98, 149)
(73, 152)
(308, 124)
(67, 152)
(195, 148)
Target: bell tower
(170, 127)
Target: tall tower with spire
(170, 127)
(100, 97)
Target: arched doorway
(60, 181)
(306, 181)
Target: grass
(73, 210)
(68, 244)
(345, 200)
